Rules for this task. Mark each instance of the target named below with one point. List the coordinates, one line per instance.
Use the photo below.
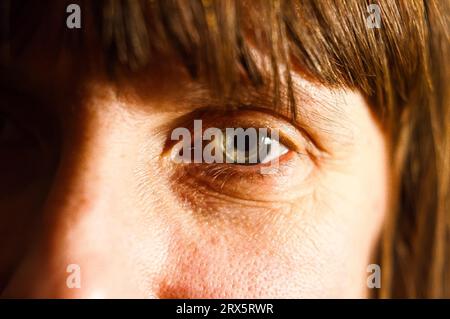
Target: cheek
(218, 266)
(288, 257)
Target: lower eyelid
(287, 165)
(292, 175)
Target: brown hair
(401, 69)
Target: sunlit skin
(89, 181)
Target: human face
(87, 180)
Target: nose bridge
(75, 251)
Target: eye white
(266, 150)
(276, 149)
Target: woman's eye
(238, 146)
(250, 149)
(245, 154)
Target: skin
(99, 190)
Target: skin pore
(88, 182)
